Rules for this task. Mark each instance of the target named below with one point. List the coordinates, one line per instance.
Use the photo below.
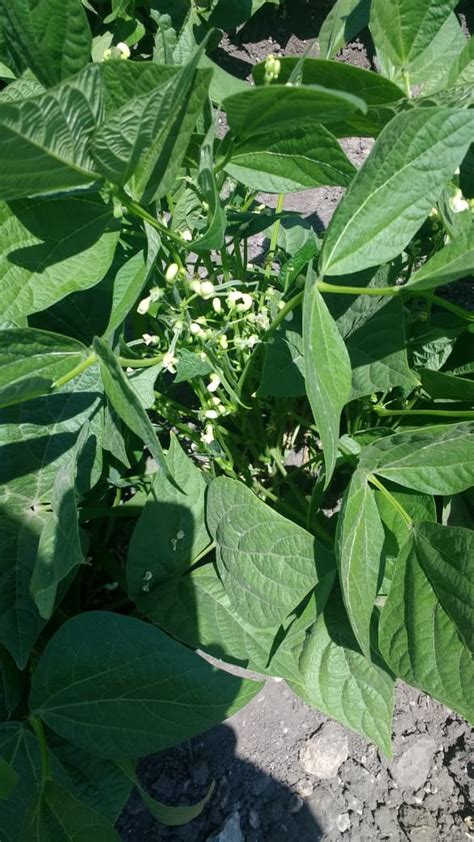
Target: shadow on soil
(183, 775)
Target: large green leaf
(170, 816)
(228, 14)
(440, 384)
(283, 368)
(37, 439)
(446, 555)
(126, 80)
(51, 36)
(31, 360)
(267, 563)
(360, 544)
(456, 260)
(128, 284)
(288, 159)
(118, 687)
(418, 638)
(402, 29)
(19, 748)
(126, 402)
(432, 68)
(345, 20)
(327, 371)
(396, 188)
(44, 139)
(144, 141)
(171, 531)
(56, 816)
(337, 679)
(8, 779)
(52, 247)
(280, 106)
(434, 460)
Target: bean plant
(226, 437)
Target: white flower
(207, 289)
(149, 339)
(233, 297)
(124, 50)
(169, 362)
(186, 235)
(252, 340)
(217, 305)
(171, 272)
(223, 342)
(212, 414)
(458, 203)
(196, 329)
(215, 382)
(208, 436)
(246, 302)
(144, 305)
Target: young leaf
(170, 816)
(337, 679)
(402, 29)
(445, 554)
(344, 21)
(8, 779)
(360, 544)
(281, 106)
(51, 36)
(128, 284)
(31, 360)
(126, 402)
(327, 371)
(434, 460)
(56, 815)
(396, 187)
(171, 531)
(118, 687)
(417, 637)
(214, 235)
(288, 159)
(456, 260)
(52, 247)
(267, 563)
(44, 139)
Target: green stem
(37, 726)
(386, 493)
(78, 369)
(343, 290)
(137, 210)
(204, 553)
(442, 413)
(274, 237)
(406, 83)
(144, 363)
(447, 305)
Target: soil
(282, 770)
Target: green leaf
(445, 554)
(170, 816)
(286, 159)
(31, 360)
(338, 680)
(36, 439)
(434, 460)
(19, 748)
(417, 637)
(419, 507)
(327, 371)
(344, 21)
(283, 368)
(8, 779)
(395, 188)
(213, 236)
(360, 544)
(228, 14)
(124, 81)
(126, 402)
(456, 260)
(402, 29)
(440, 384)
(44, 139)
(52, 247)
(51, 36)
(267, 563)
(462, 70)
(171, 531)
(431, 69)
(118, 687)
(128, 284)
(143, 143)
(21, 89)
(58, 816)
(190, 365)
(11, 684)
(281, 106)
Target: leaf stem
(447, 305)
(137, 210)
(37, 726)
(274, 237)
(386, 493)
(442, 413)
(406, 83)
(78, 369)
(343, 290)
(146, 362)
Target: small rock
(355, 804)
(418, 824)
(411, 769)
(200, 772)
(305, 788)
(229, 832)
(295, 803)
(387, 821)
(343, 822)
(325, 751)
(259, 784)
(254, 819)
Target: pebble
(325, 752)
(305, 788)
(229, 832)
(259, 784)
(295, 803)
(343, 822)
(200, 772)
(410, 771)
(254, 819)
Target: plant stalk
(386, 493)
(37, 726)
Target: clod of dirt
(229, 832)
(325, 752)
(418, 824)
(412, 768)
(343, 822)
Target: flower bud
(217, 305)
(171, 272)
(215, 382)
(144, 305)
